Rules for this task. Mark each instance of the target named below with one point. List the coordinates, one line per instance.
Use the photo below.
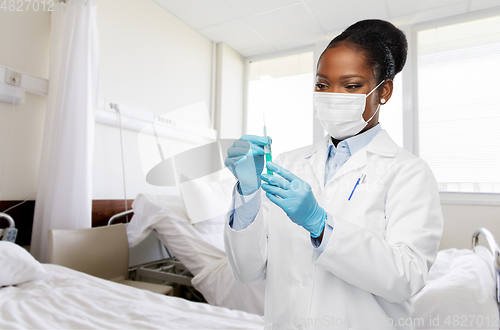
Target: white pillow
(18, 266)
(207, 200)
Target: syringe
(267, 147)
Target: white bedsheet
(200, 247)
(72, 300)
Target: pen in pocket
(360, 180)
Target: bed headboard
(103, 209)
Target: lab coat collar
(381, 144)
(320, 145)
(357, 142)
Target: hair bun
(393, 38)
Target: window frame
(410, 101)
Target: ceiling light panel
(398, 7)
(245, 36)
(335, 15)
(246, 8)
(483, 4)
(199, 13)
(299, 42)
(284, 23)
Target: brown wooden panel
(103, 209)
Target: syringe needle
(267, 147)
(265, 129)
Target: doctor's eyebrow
(341, 78)
(321, 76)
(351, 76)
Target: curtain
(64, 194)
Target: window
(281, 89)
(458, 70)
(391, 113)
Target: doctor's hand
(245, 159)
(295, 197)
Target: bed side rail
(495, 251)
(11, 222)
(146, 272)
(119, 215)
(10, 233)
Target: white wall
(24, 46)
(149, 58)
(460, 222)
(229, 99)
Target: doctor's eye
(320, 86)
(352, 87)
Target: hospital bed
(198, 247)
(461, 282)
(45, 296)
(462, 289)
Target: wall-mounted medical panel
(25, 81)
(148, 122)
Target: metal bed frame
(10, 233)
(495, 252)
(169, 270)
(9, 219)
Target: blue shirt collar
(356, 142)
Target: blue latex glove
(295, 197)
(245, 159)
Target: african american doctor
(345, 231)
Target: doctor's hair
(383, 45)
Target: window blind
(458, 104)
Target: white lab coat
(384, 241)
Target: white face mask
(341, 114)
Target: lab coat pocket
(364, 206)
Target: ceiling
(254, 27)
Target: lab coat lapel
(356, 161)
(317, 159)
(381, 144)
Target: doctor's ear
(386, 92)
